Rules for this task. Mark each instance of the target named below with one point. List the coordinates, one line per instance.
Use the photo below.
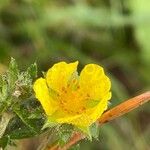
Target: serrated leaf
(16, 129)
(5, 101)
(24, 83)
(23, 127)
(32, 71)
(6, 117)
(36, 115)
(13, 67)
(49, 123)
(4, 91)
(3, 106)
(65, 133)
(13, 72)
(64, 139)
(86, 131)
(24, 111)
(94, 130)
(4, 142)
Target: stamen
(78, 87)
(88, 95)
(64, 89)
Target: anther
(78, 112)
(74, 80)
(65, 109)
(88, 95)
(63, 88)
(78, 87)
(83, 109)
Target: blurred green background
(112, 33)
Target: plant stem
(124, 107)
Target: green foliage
(90, 132)
(29, 112)
(16, 85)
(16, 98)
(94, 129)
(32, 71)
(64, 133)
(49, 123)
(12, 74)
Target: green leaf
(37, 114)
(3, 107)
(94, 130)
(50, 123)
(24, 84)
(64, 139)
(13, 66)
(5, 118)
(4, 142)
(22, 125)
(13, 73)
(4, 90)
(26, 109)
(16, 129)
(65, 133)
(32, 71)
(86, 131)
(5, 101)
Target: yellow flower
(69, 98)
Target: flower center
(72, 100)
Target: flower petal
(61, 117)
(91, 115)
(59, 75)
(100, 108)
(43, 95)
(94, 82)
